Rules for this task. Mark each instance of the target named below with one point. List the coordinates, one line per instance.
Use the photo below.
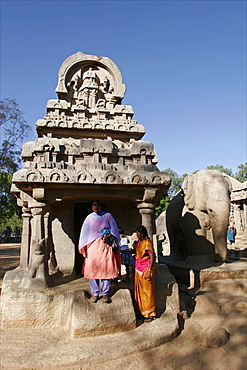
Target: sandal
(149, 319)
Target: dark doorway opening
(80, 213)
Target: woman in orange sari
(144, 275)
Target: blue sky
(183, 62)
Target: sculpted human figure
(105, 85)
(90, 80)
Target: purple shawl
(93, 225)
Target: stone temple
(88, 147)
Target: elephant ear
(232, 183)
(189, 194)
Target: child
(127, 259)
(231, 233)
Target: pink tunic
(100, 261)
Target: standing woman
(99, 233)
(144, 275)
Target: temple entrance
(88, 146)
(81, 211)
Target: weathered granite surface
(88, 147)
(67, 305)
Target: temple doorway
(81, 211)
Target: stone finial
(81, 75)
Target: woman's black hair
(142, 230)
(96, 203)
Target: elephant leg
(220, 243)
(178, 246)
(194, 227)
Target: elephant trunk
(219, 223)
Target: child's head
(121, 230)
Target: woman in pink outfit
(101, 263)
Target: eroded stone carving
(90, 92)
(88, 146)
(197, 217)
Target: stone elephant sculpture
(197, 217)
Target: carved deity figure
(88, 90)
(90, 80)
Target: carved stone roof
(88, 137)
(89, 104)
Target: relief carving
(89, 88)
(88, 135)
(84, 177)
(57, 176)
(138, 178)
(111, 177)
(86, 138)
(34, 176)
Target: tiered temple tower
(88, 147)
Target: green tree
(176, 185)
(227, 171)
(164, 202)
(8, 206)
(241, 174)
(177, 181)
(14, 129)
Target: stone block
(93, 319)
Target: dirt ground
(222, 304)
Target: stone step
(236, 286)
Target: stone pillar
(38, 263)
(245, 216)
(146, 211)
(237, 217)
(25, 239)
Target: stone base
(93, 319)
(67, 305)
(41, 324)
(194, 274)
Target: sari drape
(93, 225)
(100, 262)
(144, 288)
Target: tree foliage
(8, 206)
(176, 185)
(227, 171)
(177, 181)
(14, 129)
(241, 174)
